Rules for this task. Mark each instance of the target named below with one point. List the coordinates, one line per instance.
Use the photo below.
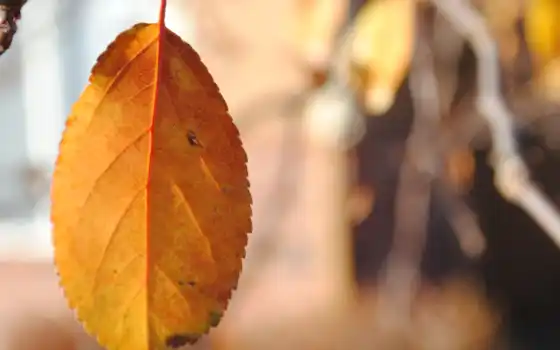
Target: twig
(462, 220)
(448, 47)
(511, 174)
(10, 13)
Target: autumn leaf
(382, 50)
(150, 199)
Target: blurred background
(377, 224)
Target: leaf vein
(107, 169)
(175, 287)
(112, 239)
(118, 75)
(125, 314)
(188, 208)
(133, 96)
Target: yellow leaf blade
(151, 205)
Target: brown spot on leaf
(189, 283)
(193, 140)
(177, 340)
(215, 318)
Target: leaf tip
(379, 100)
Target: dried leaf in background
(542, 28)
(151, 205)
(317, 27)
(382, 50)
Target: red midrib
(161, 38)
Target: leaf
(150, 200)
(542, 29)
(382, 50)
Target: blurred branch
(13, 3)
(420, 173)
(415, 180)
(511, 174)
(448, 46)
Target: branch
(511, 174)
(10, 13)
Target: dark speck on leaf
(193, 140)
(215, 318)
(191, 283)
(177, 340)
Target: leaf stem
(162, 9)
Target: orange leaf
(150, 201)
